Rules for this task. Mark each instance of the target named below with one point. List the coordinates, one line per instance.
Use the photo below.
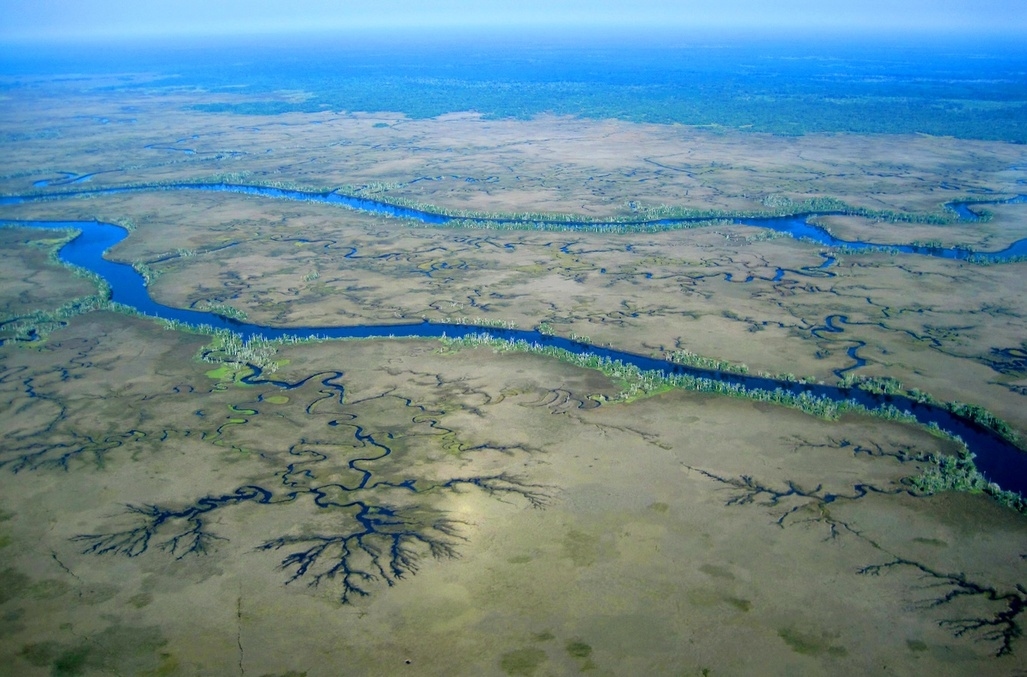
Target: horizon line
(549, 32)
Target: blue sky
(84, 19)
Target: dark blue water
(997, 459)
(798, 226)
(964, 211)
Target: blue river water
(999, 460)
(798, 226)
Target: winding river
(999, 460)
(799, 226)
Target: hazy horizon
(51, 21)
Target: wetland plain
(385, 505)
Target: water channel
(999, 460)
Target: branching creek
(998, 459)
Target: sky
(63, 20)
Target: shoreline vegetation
(641, 219)
(946, 473)
(239, 359)
(652, 220)
(236, 360)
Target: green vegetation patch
(959, 473)
(522, 662)
(228, 373)
(73, 661)
(812, 643)
(13, 584)
(143, 599)
(48, 589)
(40, 654)
(743, 605)
(116, 650)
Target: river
(996, 458)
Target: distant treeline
(789, 114)
(787, 91)
(969, 88)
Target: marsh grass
(945, 473)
